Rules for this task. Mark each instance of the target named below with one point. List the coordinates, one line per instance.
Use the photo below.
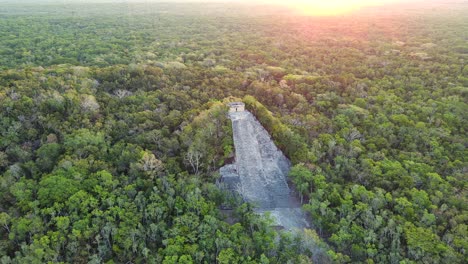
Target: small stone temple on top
(236, 107)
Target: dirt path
(259, 172)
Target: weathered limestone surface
(259, 172)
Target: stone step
(260, 171)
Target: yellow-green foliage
(290, 143)
(208, 138)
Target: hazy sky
(333, 3)
(283, 2)
(231, 1)
(315, 7)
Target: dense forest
(113, 127)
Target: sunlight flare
(332, 7)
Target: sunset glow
(332, 7)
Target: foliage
(113, 124)
(292, 144)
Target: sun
(330, 7)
